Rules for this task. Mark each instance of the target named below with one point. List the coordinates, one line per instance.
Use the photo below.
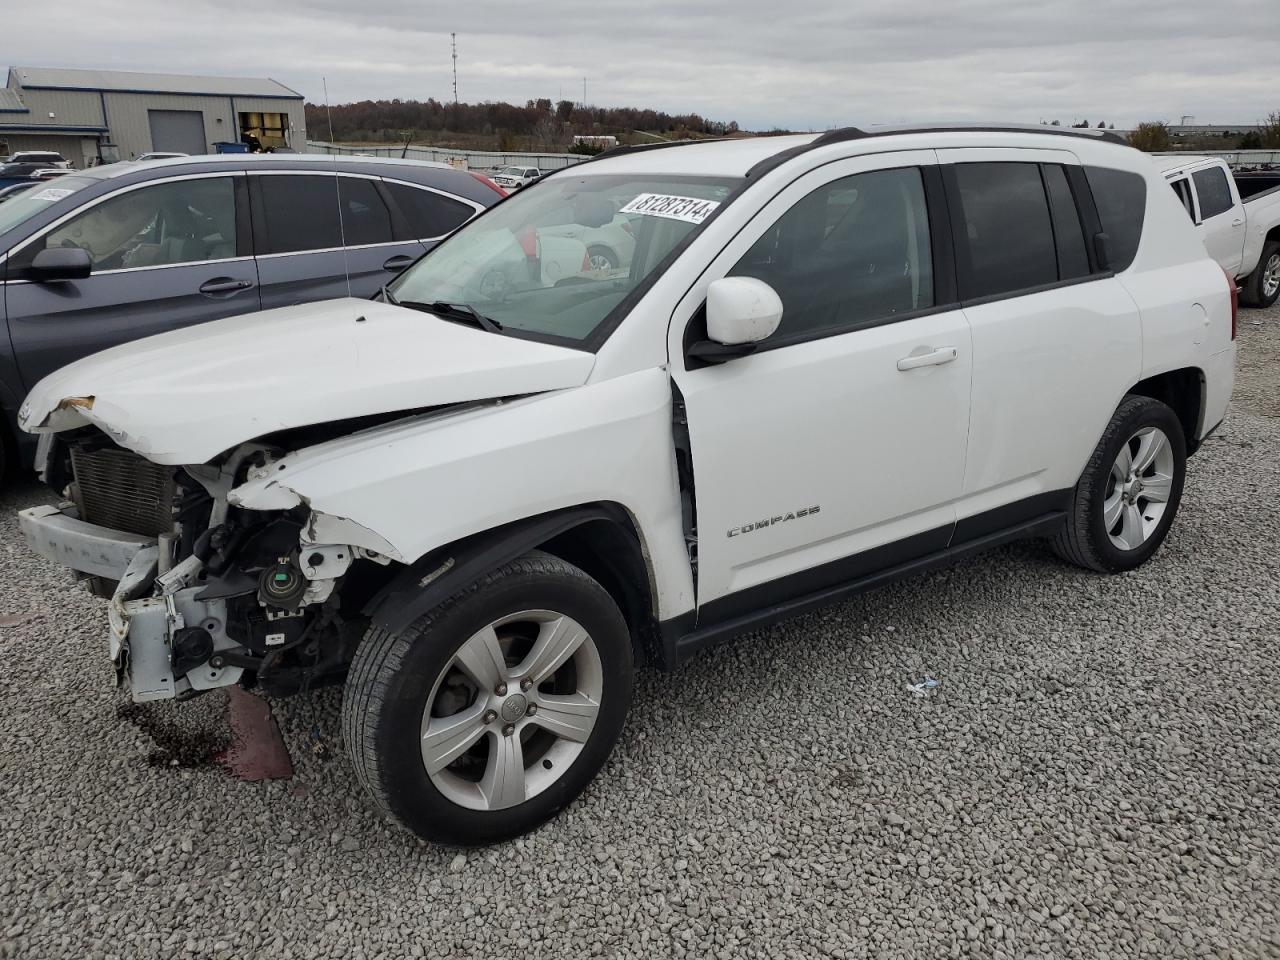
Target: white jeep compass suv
(481, 499)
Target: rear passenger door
(1056, 339)
(319, 236)
(1221, 217)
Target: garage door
(177, 131)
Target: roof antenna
(337, 189)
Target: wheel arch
(602, 539)
(1181, 390)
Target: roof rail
(854, 133)
(842, 134)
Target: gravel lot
(1096, 775)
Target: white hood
(186, 396)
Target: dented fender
(410, 487)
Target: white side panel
(1262, 215)
(418, 486)
(1049, 369)
(832, 424)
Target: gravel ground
(1096, 775)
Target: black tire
(392, 677)
(1084, 539)
(1252, 293)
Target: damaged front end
(203, 592)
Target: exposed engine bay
(202, 594)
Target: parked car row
(479, 499)
(46, 158)
(120, 252)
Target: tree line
(545, 124)
(1153, 136)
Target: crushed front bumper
(142, 628)
(59, 535)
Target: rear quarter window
(1213, 191)
(1121, 199)
(429, 214)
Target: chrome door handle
(930, 358)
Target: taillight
(626, 225)
(586, 263)
(488, 183)
(1235, 301)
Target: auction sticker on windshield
(52, 193)
(688, 209)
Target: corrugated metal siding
(131, 126)
(68, 107)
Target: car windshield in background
(30, 202)
(556, 260)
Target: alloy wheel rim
(1271, 275)
(512, 710)
(1138, 488)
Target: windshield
(30, 202)
(556, 259)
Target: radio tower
(453, 40)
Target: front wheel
(1129, 493)
(1262, 287)
(492, 712)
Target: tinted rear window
(1212, 189)
(429, 214)
(301, 213)
(1121, 199)
(1007, 228)
(365, 217)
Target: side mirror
(61, 263)
(741, 311)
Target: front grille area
(119, 489)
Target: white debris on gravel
(1099, 776)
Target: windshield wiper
(388, 296)
(457, 312)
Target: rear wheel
(1129, 493)
(1262, 287)
(491, 713)
(602, 259)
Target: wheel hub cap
(1138, 488)
(514, 707)
(512, 710)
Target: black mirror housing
(60, 263)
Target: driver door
(165, 255)
(836, 448)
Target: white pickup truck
(1238, 217)
(479, 500)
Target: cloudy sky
(808, 64)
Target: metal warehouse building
(90, 116)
